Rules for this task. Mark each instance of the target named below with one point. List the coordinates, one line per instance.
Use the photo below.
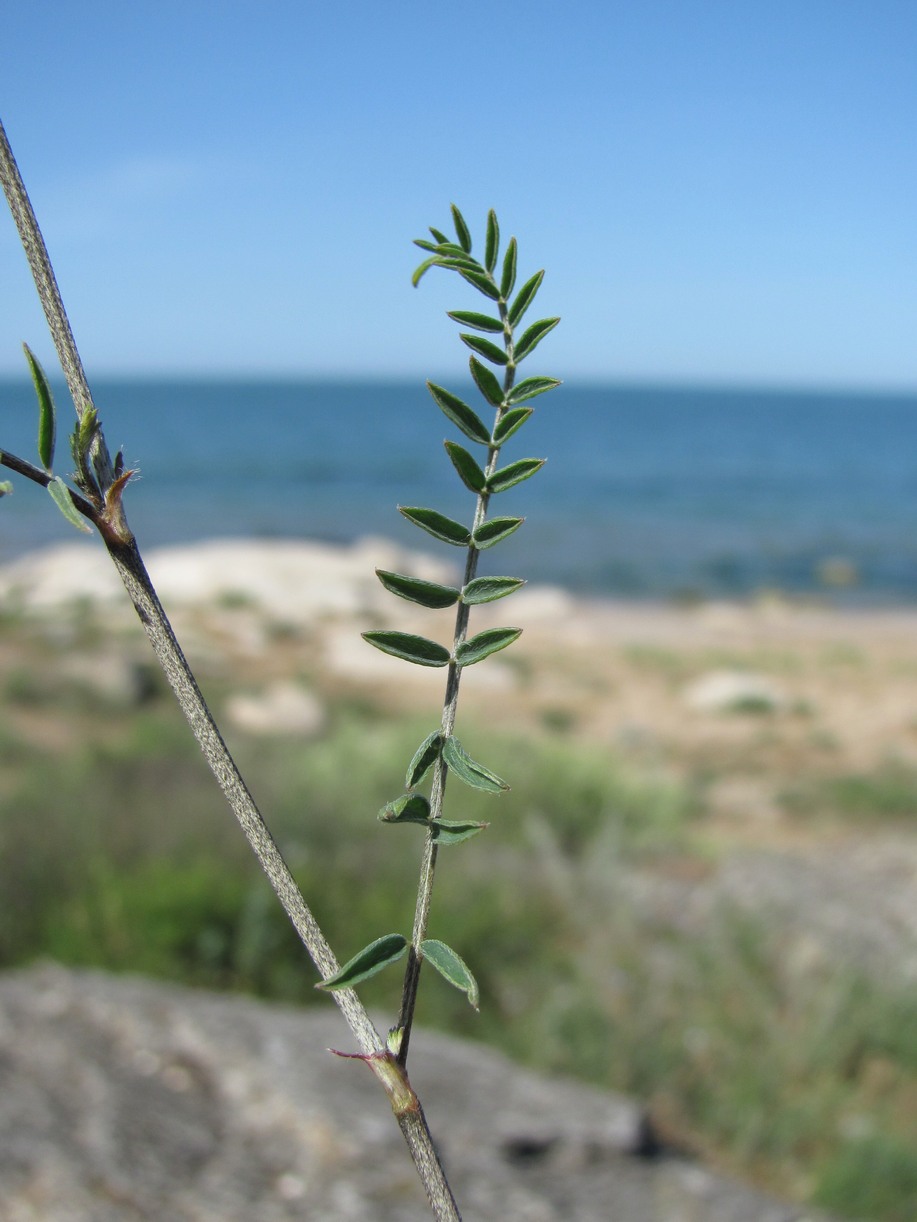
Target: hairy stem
(126, 556)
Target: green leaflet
(47, 416)
(461, 229)
(424, 758)
(469, 471)
(460, 414)
(534, 335)
(486, 382)
(484, 347)
(367, 962)
(468, 770)
(508, 278)
(511, 422)
(524, 297)
(451, 967)
(60, 495)
(409, 808)
(515, 473)
(438, 235)
(484, 644)
(528, 388)
(481, 322)
(489, 589)
(437, 525)
(426, 593)
(492, 241)
(417, 649)
(482, 283)
(6, 488)
(494, 531)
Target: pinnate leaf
(528, 388)
(515, 473)
(486, 382)
(423, 759)
(524, 297)
(469, 471)
(494, 531)
(415, 590)
(461, 229)
(534, 335)
(451, 967)
(411, 648)
(47, 415)
(511, 422)
(489, 589)
(60, 495)
(437, 524)
(460, 414)
(471, 318)
(367, 962)
(469, 770)
(484, 644)
(484, 347)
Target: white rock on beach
(291, 580)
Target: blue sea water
(647, 492)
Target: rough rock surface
(121, 1098)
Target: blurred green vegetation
(116, 850)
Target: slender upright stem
(450, 706)
(126, 556)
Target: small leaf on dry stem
(489, 589)
(515, 473)
(415, 590)
(468, 469)
(484, 644)
(60, 495)
(437, 524)
(494, 531)
(417, 649)
(486, 382)
(409, 808)
(469, 770)
(6, 488)
(424, 758)
(460, 414)
(47, 415)
(445, 832)
(367, 962)
(451, 967)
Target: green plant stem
(125, 554)
(450, 706)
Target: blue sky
(721, 192)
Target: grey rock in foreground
(121, 1098)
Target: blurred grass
(116, 850)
